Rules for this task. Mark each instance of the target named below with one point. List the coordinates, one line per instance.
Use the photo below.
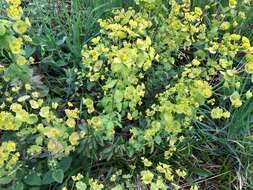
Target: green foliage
(144, 94)
(58, 175)
(58, 35)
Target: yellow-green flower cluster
(9, 156)
(232, 3)
(94, 185)
(218, 113)
(120, 103)
(72, 115)
(235, 100)
(89, 104)
(8, 121)
(248, 94)
(14, 11)
(118, 59)
(180, 28)
(147, 177)
(249, 68)
(13, 31)
(25, 114)
(190, 94)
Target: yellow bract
(195, 62)
(73, 138)
(45, 112)
(16, 45)
(235, 100)
(245, 42)
(71, 122)
(249, 68)
(21, 60)
(145, 88)
(147, 177)
(248, 94)
(20, 27)
(14, 12)
(218, 113)
(232, 3)
(89, 104)
(181, 173)
(225, 26)
(14, 2)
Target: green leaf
(118, 96)
(107, 153)
(65, 163)
(201, 172)
(158, 139)
(198, 97)
(4, 41)
(33, 179)
(34, 188)
(5, 180)
(2, 29)
(110, 84)
(48, 178)
(81, 185)
(29, 51)
(18, 186)
(22, 72)
(58, 175)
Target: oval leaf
(58, 175)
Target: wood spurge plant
(154, 94)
